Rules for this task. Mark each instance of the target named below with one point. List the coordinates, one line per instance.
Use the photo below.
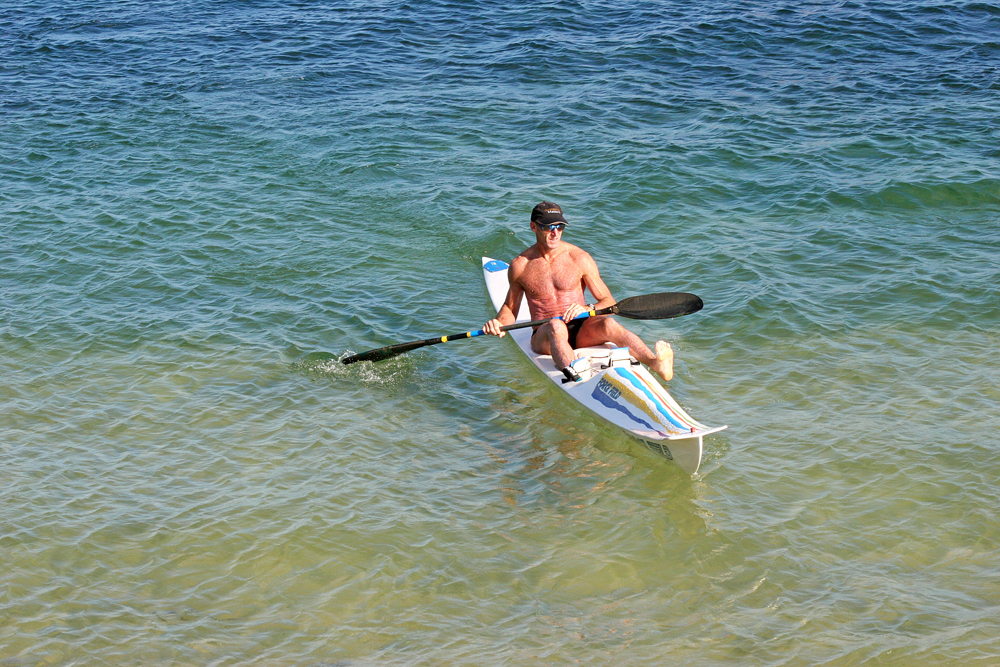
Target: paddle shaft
(648, 307)
(522, 325)
(395, 350)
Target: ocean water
(204, 205)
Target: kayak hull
(614, 387)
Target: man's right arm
(509, 309)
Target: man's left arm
(592, 281)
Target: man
(552, 274)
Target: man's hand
(574, 310)
(493, 328)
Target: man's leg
(553, 338)
(602, 329)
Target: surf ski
(615, 387)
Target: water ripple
(202, 216)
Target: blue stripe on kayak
(604, 399)
(634, 381)
(495, 265)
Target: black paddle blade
(389, 351)
(661, 306)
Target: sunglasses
(558, 226)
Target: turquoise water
(204, 205)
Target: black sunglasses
(555, 225)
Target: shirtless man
(553, 275)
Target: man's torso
(550, 285)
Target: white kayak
(616, 387)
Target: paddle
(646, 307)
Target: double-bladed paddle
(646, 307)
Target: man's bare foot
(663, 365)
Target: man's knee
(558, 330)
(558, 334)
(607, 327)
(550, 333)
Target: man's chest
(543, 278)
